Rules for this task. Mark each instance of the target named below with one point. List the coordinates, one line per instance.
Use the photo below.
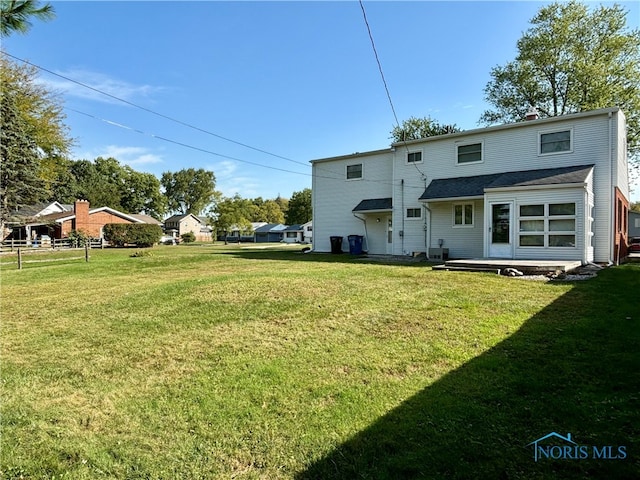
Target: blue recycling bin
(355, 244)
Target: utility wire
(148, 110)
(192, 147)
(384, 81)
(210, 152)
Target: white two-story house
(553, 188)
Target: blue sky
(295, 81)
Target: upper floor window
(414, 213)
(414, 157)
(354, 171)
(555, 142)
(471, 153)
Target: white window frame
(546, 232)
(466, 144)
(354, 178)
(413, 152)
(548, 132)
(406, 213)
(463, 224)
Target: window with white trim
(555, 142)
(415, 213)
(469, 153)
(354, 172)
(414, 157)
(463, 215)
(547, 225)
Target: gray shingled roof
(476, 185)
(373, 204)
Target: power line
(182, 144)
(192, 147)
(384, 81)
(153, 112)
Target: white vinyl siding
(333, 199)
(462, 243)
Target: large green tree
(33, 132)
(231, 212)
(107, 183)
(300, 208)
(189, 190)
(20, 183)
(572, 59)
(415, 128)
(15, 15)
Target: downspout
(427, 231)
(366, 235)
(613, 209)
(402, 215)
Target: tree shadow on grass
(572, 368)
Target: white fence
(53, 244)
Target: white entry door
(389, 235)
(500, 230)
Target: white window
(469, 153)
(414, 157)
(354, 172)
(415, 213)
(463, 215)
(556, 142)
(547, 225)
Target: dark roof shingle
(373, 204)
(475, 186)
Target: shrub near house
(141, 235)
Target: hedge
(139, 234)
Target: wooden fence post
(19, 259)
(86, 251)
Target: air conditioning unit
(438, 254)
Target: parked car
(634, 245)
(167, 240)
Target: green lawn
(227, 362)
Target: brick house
(60, 224)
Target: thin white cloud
(229, 182)
(132, 156)
(99, 82)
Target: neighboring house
(293, 234)
(180, 224)
(298, 233)
(307, 232)
(553, 188)
(269, 232)
(634, 224)
(81, 217)
(146, 218)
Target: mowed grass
(227, 362)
